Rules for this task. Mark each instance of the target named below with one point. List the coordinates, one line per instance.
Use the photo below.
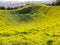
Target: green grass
(35, 24)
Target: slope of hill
(36, 24)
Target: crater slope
(35, 24)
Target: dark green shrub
(49, 42)
(2, 8)
(9, 8)
(12, 8)
(5, 35)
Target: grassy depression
(35, 24)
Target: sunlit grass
(39, 26)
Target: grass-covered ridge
(36, 24)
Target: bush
(49, 42)
(12, 8)
(56, 3)
(2, 7)
(8, 8)
(5, 35)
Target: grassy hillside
(35, 24)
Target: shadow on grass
(28, 10)
(49, 42)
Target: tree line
(9, 8)
(57, 3)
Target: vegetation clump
(50, 42)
